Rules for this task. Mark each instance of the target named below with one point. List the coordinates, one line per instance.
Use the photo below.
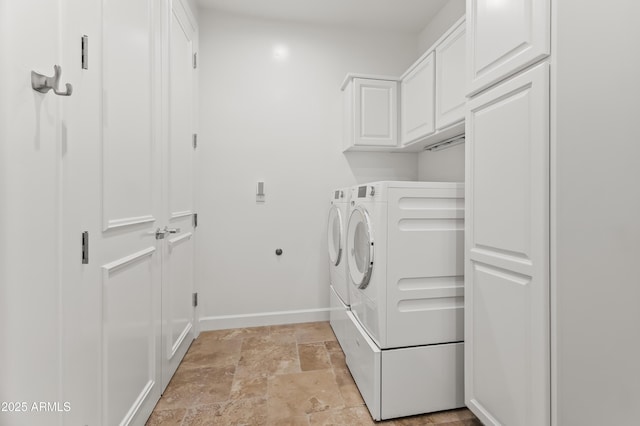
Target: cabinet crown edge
(350, 76)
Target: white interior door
(507, 342)
(178, 312)
(80, 205)
(127, 249)
(30, 236)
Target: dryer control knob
(373, 191)
(278, 252)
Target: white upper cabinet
(371, 113)
(450, 78)
(418, 90)
(431, 101)
(504, 37)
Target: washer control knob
(278, 252)
(373, 191)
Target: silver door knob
(160, 234)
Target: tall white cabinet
(551, 300)
(507, 243)
(507, 305)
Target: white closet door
(507, 353)
(178, 326)
(130, 254)
(504, 37)
(81, 206)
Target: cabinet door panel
(507, 361)
(376, 113)
(418, 101)
(504, 37)
(450, 79)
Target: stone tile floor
(292, 374)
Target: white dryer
(405, 251)
(404, 340)
(336, 242)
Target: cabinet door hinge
(195, 140)
(85, 52)
(194, 298)
(195, 60)
(195, 220)
(85, 248)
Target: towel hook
(42, 83)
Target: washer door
(360, 247)
(334, 235)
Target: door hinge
(195, 220)
(195, 60)
(85, 248)
(194, 299)
(195, 140)
(85, 52)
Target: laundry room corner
(271, 111)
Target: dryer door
(360, 247)
(334, 235)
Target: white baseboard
(263, 318)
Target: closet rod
(448, 143)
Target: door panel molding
(173, 242)
(128, 221)
(129, 336)
(137, 405)
(121, 263)
(178, 215)
(128, 144)
(176, 346)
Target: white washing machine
(336, 242)
(405, 251)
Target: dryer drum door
(360, 247)
(334, 235)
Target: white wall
(447, 16)
(442, 166)
(448, 164)
(193, 8)
(271, 109)
(595, 279)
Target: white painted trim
(138, 403)
(183, 335)
(177, 240)
(127, 260)
(128, 221)
(553, 218)
(263, 318)
(188, 13)
(177, 215)
(350, 76)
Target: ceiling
(409, 16)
